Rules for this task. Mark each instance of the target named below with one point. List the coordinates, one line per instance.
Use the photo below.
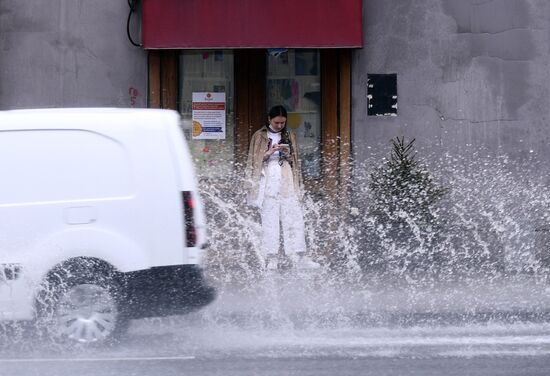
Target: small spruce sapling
(403, 213)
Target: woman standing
(274, 178)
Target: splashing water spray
(446, 233)
(466, 232)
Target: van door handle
(80, 215)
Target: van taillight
(190, 231)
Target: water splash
(489, 253)
(486, 222)
(490, 226)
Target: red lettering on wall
(134, 93)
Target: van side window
(62, 165)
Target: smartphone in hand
(285, 148)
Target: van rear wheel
(81, 304)
(86, 313)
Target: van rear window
(61, 165)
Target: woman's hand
(284, 149)
(270, 151)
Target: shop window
(207, 75)
(382, 95)
(294, 81)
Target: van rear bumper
(166, 290)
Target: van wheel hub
(86, 313)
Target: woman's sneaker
(271, 262)
(303, 262)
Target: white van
(100, 220)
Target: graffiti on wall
(133, 93)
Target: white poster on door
(208, 116)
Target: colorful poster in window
(208, 116)
(283, 92)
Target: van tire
(80, 302)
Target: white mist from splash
(492, 244)
(484, 257)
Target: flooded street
(178, 345)
(290, 329)
(474, 302)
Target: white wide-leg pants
(285, 211)
(280, 206)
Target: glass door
(293, 79)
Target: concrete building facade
(469, 73)
(69, 53)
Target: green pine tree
(403, 212)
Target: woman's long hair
(285, 135)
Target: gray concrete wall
(471, 74)
(68, 53)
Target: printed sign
(208, 116)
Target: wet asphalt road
(326, 365)
(293, 331)
(182, 346)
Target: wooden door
(250, 97)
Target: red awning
(251, 23)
